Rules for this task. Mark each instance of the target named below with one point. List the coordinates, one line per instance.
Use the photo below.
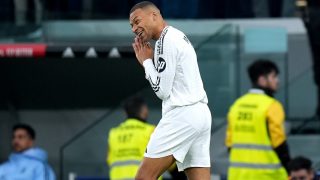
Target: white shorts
(183, 132)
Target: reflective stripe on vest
(252, 146)
(256, 166)
(125, 163)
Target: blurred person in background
(309, 11)
(312, 22)
(300, 168)
(27, 18)
(256, 134)
(127, 142)
(26, 162)
(27, 11)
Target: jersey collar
(164, 32)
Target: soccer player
(183, 133)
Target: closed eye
(137, 21)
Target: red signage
(22, 50)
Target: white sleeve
(161, 74)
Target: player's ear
(154, 16)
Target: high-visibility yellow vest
(127, 145)
(252, 156)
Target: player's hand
(143, 50)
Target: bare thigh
(152, 168)
(196, 173)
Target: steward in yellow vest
(255, 133)
(128, 141)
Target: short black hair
(261, 67)
(300, 163)
(133, 106)
(142, 5)
(31, 132)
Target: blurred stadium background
(66, 67)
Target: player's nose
(134, 29)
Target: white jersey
(174, 73)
